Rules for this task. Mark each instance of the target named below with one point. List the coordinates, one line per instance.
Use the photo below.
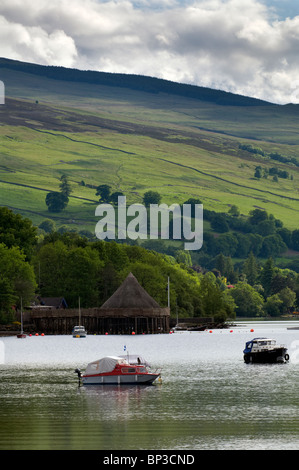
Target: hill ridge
(135, 82)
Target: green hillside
(138, 134)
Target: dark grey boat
(264, 350)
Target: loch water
(209, 399)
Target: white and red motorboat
(114, 370)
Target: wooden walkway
(99, 321)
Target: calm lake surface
(209, 398)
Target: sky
(250, 47)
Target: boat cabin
(114, 364)
(105, 365)
(79, 332)
(259, 345)
(135, 359)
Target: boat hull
(135, 379)
(277, 355)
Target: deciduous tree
(249, 302)
(151, 197)
(16, 230)
(56, 201)
(103, 190)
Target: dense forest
(71, 265)
(260, 233)
(134, 82)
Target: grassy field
(137, 141)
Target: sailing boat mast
(22, 316)
(21, 334)
(79, 330)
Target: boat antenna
(125, 349)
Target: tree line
(273, 171)
(260, 233)
(72, 266)
(57, 201)
(272, 155)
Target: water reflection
(114, 402)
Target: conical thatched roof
(130, 294)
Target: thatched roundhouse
(132, 309)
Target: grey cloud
(237, 45)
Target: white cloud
(32, 43)
(236, 45)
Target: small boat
(79, 332)
(197, 328)
(264, 350)
(21, 335)
(116, 370)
